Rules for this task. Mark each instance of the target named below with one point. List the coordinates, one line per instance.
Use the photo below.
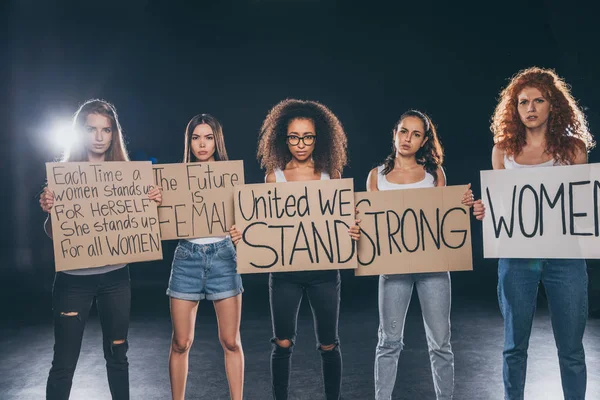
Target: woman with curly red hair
(302, 141)
(415, 162)
(537, 123)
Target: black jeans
(285, 293)
(75, 294)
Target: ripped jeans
(286, 290)
(395, 292)
(72, 298)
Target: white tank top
(384, 184)
(510, 163)
(280, 177)
(207, 240)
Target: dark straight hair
(217, 129)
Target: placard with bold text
(197, 198)
(543, 212)
(102, 214)
(295, 226)
(413, 231)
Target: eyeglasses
(308, 140)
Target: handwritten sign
(295, 226)
(102, 214)
(197, 198)
(543, 212)
(413, 231)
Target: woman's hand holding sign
(47, 200)
(468, 198)
(155, 194)
(354, 230)
(479, 210)
(235, 234)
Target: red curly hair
(567, 126)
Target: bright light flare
(63, 135)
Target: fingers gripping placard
(295, 226)
(102, 214)
(413, 231)
(197, 198)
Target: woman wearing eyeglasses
(303, 141)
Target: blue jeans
(566, 285)
(395, 292)
(204, 271)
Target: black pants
(75, 294)
(285, 293)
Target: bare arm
(581, 155)
(270, 178)
(497, 163)
(372, 181)
(497, 158)
(441, 177)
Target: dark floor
(26, 349)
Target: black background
(235, 59)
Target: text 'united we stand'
(293, 226)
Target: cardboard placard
(295, 226)
(102, 214)
(413, 231)
(543, 212)
(197, 198)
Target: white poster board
(542, 212)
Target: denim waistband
(195, 247)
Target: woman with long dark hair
(415, 162)
(205, 269)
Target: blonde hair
(117, 150)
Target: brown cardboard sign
(102, 214)
(413, 230)
(295, 226)
(197, 198)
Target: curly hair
(430, 156)
(567, 126)
(330, 153)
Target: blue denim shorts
(205, 271)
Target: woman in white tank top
(537, 124)
(415, 163)
(301, 141)
(205, 268)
